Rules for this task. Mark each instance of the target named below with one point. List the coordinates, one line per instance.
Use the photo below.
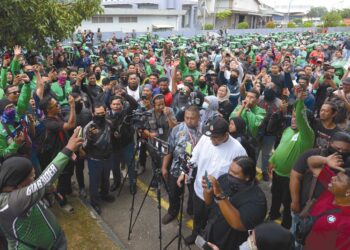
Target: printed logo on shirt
(295, 137)
(43, 180)
(331, 219)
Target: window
(128, 19)
(147, 6)
(102, 19)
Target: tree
(243, 25)
(208, 26)
(317, 12)
(331, 19)
(308, 24)
(345, 13)
(32, 23)
(291, 25)
(298, 21)
(223, 15)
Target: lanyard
(190, 135)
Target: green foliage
(243, 25)
(298, 21)
(317, 12)
(308, 24)
(223, 15)
(291, 25)
(270, 25)
(345, 13)
(342, 25)
(31, 23)
(208, 26)
(331, 19)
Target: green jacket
(186, 71)
(23, 100)
(252, 118)
(62, 96)
(3, 81)
(149, 70)
(23, 215)
(8, 147)
(293, 143)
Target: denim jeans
(98, 177)
(124, 155)
(295, 220)
(267, 145)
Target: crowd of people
(225, 105)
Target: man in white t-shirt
(213, 153)
(133, 87)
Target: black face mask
(202, 84)
(164, 91)
(99, 119)
(269, 94)
(78, 107)
(237, 184)
(30, 74)
(98, 75)
(234, 78)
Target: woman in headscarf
(209, 110)
(225, 106)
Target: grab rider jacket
(24, 218)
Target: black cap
(218, 126)
(14, 170)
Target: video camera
(186, 166)
(139, 118)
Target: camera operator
(329, 79)
(240, 204)
(185, 134)
(98, 148)
(213, 153)
(27, 223)
(120, 114)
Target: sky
(338, 4)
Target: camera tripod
(156, 154)
(179, 235)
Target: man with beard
(185, 134)
(295, 140)
(213, 154)
(98, 148)
(303, 185)
(272, 126)
(133, 88)
(164, 89)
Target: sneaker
(107, 198)
(96, 207)
(189, 240)
(133, 189)
(167, 219)
(82, 193)
(115, 186)
(140, 170)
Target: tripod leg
(180, 219)
(159, 212)
(143, 201)
(131, 214)
(127, 173)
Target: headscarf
(227, 96)
(13, 171)
(212, 110)
(147, 86)
(240, 127)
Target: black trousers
(200, 215)
(175, 196)
(64, 185)
(281, 196)
(79, 172)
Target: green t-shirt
(293, 143)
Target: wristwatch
(220, 197)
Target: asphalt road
(145, 232)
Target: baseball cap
(218, 126)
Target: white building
(254, 12)
(141, 15)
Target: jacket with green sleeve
(24, 216)
(23, 100)
(293, 143)
(186, 71)
(252, 118)
(61, 93)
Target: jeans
(346, 54)
(124, 154)
(268, 143)
(98, 177)
(281, 195)
(79, 172)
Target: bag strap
(336, 210)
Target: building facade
(144, 15)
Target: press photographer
(120, 116)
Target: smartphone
(202, 244)
(80, 134)
(80, 70)
(207, 179)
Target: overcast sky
(326, 3)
